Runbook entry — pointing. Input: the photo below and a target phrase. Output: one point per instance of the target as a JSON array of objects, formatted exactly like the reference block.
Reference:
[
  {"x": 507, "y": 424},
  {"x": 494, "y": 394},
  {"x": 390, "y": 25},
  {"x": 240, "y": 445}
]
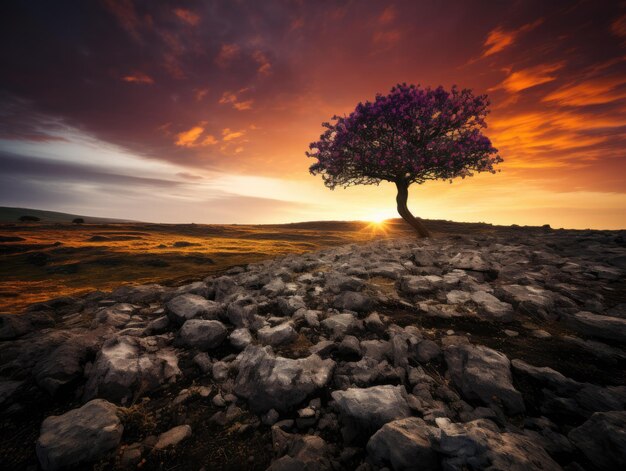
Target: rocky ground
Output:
[{"x": 497, "y": 351}]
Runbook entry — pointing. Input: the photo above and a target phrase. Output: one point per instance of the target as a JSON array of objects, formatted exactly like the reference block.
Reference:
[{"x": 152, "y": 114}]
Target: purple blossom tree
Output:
[{"x": 410, "y": 136}]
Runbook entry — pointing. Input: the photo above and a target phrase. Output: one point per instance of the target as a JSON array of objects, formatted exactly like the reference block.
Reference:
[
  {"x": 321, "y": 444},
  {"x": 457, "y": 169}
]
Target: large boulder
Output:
[
  {"x": 303, "y": 453},
  {"x": 480, "y": 444},
  {"x": 127, "y": 367},
  {"x": 417, "y": 284},
  {"x": 270, "y": 382},
  {"x": 483, "y": 375},
  {"x": 365, "y": 410},
  {"x": 341, "y": 324},
  {"x": 202, "y": 334},
  {"x": 404, "y": 443},
  {"x": 79, "y": 436},
  {"x": 64, "y": 365},
  {"x": 602, "y": 439},
  {"x": 353, "y": 301},
  {"x": 595, "y": 325},
  {"x": 279, "y": 335},
  {"x": 546, "y": 377},
  {"x": 529, "y": 299},
  {"x": 190, "y": 306},
  {"x": 492, "y": 308}
]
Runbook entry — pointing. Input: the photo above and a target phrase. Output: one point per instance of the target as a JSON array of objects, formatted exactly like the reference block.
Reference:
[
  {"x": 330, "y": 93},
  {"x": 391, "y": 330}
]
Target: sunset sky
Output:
[{"x": 201, "y": 111}]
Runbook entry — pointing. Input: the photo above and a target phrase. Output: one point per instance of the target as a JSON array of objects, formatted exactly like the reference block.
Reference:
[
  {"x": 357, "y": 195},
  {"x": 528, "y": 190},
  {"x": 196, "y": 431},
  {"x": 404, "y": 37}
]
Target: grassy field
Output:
[{"x": 44, "y": 260}]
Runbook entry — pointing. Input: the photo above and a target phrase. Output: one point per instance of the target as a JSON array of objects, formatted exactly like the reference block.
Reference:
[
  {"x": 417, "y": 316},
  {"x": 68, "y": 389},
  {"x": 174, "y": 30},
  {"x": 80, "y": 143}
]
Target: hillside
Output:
[{"x": 8, "y": 215}]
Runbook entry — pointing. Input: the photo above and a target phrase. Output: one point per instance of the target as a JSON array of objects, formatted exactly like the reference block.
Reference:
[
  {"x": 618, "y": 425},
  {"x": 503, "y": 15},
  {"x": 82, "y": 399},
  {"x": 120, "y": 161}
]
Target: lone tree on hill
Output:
[
  {"x": 27, "y": 218},
  {"x": 78, "y": 221},
  {"x": 410, "y": 136}
]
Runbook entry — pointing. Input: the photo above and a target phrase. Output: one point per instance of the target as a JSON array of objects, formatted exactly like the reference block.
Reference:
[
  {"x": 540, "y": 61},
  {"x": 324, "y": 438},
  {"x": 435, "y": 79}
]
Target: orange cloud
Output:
[
  {"x": 530, "y": 77},
  {"x": 618, "y": 27},
  {"x": 590, "y": 92},
  {"x": 209, "y": 140},
  {"x": 265, "y": 68},
  {"x": 386, "y": 37},
  {"x": 553, "y": 138},
  {"x": 227, "y": 53},
  {"x": 233, "y": 98},
  {"x": 200, "y": 93},
  {"x": 499, "y": 39},
  {"x": 194, "y": 137},
  {"x": 189, "y": 138},
  {"x": 187, "y": 16},
  {"x": 138, "y": 78},
  {"x": 124, "y": 12},
  {"x": 243, "y": 105},
  {"x": 228, "y": 135},
  {"x": 388, "y": 15}
]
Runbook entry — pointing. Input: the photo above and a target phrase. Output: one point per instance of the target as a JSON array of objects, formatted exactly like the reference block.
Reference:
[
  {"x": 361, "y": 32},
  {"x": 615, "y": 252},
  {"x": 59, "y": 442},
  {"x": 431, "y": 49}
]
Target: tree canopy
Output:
[{"x": 411, "y": 135}]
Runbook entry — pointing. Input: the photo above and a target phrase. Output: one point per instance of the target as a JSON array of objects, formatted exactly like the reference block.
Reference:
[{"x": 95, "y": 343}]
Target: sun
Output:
[{"x": 379, "y": 218}]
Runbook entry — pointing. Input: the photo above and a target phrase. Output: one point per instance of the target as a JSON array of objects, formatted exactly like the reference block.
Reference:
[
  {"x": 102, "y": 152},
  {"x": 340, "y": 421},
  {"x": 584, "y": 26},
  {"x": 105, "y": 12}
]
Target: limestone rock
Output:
[
  {"x": 484, "y": 375},
  {"x": 124, "y": 369},
  {"x": 602, "y": 439},
  {"x": 172, "y": 437},
  {"x": 595, "y": 325},
  {"x": 405, "y": 444},
  {"x": 202, "y": 334},
  {"x": 79, "y": 436},
  {"x": 368, "y": 409},
  {"x": 190, "y": 306},
  {"x": 279, "y": 335},
  {"x": 270, "y": 382}
]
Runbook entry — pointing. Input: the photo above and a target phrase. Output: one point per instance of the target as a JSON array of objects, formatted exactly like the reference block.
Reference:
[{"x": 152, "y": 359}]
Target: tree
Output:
[
  {"x": 411, "y": 135},
  {"x": 27, "y": 218},
  {"x": 78, "y": 221}
]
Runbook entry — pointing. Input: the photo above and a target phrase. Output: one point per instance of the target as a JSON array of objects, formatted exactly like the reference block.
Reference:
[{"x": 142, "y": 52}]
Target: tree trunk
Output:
[{"x": 403, "y": 210}]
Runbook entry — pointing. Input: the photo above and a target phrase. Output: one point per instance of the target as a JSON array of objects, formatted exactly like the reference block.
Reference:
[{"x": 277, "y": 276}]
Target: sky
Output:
[{"x": 201, "y": 111}]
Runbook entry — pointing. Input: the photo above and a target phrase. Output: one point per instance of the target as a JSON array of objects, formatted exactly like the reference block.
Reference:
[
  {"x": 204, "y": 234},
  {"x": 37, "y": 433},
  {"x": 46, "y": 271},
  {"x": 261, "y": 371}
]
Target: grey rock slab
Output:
[
  {"x": 190, "y": 306},
  {"x": 273, "y": 288},
  {"x": 484, "y": 375},
  {"x": 370, "y": 408},
  {"x": 172, "y": 437},
  {"x": 546, "y": 377},
  {"x": 602, "y": 439},
  {"x": 596, "y": 325},
  {"x": 426, "y": 351},
  {"x": 64, "y": 365},
  {"x": 458, "y": 297},
  {"x": 79, "y": 436},
  {"x": 340, "y": 324},
  {"x": 138, "y": 294},
  {"x": 269, "y": 382},
  {"x": 281, "y": 334},
  {"x": 492, "y": 307},
  {"x": 480, "y": 444},
  {"x": 202, "y": 334},
  {"x": 529, "y": 299},
  {"x": 126, "y": 367},
  {"x": 353, "y": 301},
  {"x": 405, "y": 444},
  {"x": 417, "y": 284},
  {"x": 240, "y": 338}
]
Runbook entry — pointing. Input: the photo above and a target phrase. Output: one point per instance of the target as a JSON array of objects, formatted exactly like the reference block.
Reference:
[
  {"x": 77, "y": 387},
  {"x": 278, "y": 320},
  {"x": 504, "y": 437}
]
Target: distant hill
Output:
[{"x": 13, "y": 215}]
